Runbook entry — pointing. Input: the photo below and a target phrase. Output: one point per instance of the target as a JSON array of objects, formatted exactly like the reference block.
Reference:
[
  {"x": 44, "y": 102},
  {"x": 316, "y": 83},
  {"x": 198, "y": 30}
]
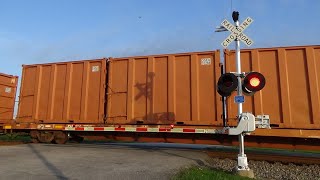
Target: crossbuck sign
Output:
[{"x": 237, "y": 32}]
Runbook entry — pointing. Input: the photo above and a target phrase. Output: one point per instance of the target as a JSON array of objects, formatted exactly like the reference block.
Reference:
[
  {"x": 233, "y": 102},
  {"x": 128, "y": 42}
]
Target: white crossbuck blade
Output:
[{"x": 237, "y": 32}]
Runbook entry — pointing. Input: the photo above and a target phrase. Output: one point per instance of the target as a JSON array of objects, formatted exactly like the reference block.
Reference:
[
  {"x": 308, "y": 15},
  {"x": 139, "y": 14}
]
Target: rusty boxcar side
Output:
[
  {"x": 66, "y": 92},
  {"x": 8, "y": 89},
  {"x": 291, "y": 96},
  {"x": 165, "y": 89}
]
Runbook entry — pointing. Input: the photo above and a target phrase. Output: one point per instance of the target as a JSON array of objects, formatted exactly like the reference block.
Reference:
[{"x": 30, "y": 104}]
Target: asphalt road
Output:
[{"x": 97, "y": 161}]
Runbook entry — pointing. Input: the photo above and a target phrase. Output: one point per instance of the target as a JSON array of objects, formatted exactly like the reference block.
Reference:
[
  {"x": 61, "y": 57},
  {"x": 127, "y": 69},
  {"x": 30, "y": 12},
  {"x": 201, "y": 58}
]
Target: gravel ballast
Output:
[{"x": 268, "y": 170}]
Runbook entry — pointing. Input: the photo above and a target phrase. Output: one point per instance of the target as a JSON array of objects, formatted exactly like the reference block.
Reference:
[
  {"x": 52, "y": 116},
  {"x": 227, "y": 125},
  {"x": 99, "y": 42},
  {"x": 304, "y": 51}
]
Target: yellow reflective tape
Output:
[
  {"x": 58, "y": 126},
  {"x": 7, "y": 127}
]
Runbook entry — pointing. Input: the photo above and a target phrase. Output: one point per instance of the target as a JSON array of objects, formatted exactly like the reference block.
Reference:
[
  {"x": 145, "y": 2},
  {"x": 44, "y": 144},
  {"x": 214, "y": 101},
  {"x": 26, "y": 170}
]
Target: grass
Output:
[
  {"x": 257, "y": 149},
  {"x": 203, "y": 173},
  {"x": 15, "y": 137},
  {"x": 249, "y": 149}
]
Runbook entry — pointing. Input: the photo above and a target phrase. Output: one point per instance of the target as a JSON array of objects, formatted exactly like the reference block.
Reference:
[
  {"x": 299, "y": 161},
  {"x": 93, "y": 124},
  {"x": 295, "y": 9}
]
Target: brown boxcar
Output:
[
  {"x": 175, "y": 89},
  {"x": 66, "y": 92},
  {"x": 8, "y": 88},
  {"x": 291, "y": 94},
  {"x": 165, "y": 89}
]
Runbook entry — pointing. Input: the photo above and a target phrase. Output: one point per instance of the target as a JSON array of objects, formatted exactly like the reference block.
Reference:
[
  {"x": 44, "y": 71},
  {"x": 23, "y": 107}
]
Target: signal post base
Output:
[
  {"x": 242, "y": 168},
  {"x": 244, "y": 172}
]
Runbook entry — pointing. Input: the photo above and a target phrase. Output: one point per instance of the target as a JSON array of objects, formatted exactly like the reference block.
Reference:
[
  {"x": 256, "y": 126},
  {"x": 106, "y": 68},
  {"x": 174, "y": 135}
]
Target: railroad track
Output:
[
  {"x": 269, "y": 156},
  {"x": 225, "y": 152}
]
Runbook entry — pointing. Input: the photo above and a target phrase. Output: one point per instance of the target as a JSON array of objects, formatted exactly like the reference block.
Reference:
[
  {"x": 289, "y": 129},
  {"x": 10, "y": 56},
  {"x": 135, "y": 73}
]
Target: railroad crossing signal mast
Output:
[{"x": 252, "y": 82}]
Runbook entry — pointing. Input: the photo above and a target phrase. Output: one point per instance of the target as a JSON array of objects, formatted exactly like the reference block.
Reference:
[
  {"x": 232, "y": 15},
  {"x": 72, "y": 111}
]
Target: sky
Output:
[{"x": 38, "y": 31}]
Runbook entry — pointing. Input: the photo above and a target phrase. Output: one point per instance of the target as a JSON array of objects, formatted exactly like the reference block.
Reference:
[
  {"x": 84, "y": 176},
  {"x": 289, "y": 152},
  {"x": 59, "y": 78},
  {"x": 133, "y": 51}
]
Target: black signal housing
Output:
[{"x": 227, "y": 83}]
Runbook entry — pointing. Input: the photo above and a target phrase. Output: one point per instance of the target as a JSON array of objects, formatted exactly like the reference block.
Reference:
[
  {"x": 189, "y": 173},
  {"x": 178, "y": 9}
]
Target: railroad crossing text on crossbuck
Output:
[{"x": 237, "y": 32}]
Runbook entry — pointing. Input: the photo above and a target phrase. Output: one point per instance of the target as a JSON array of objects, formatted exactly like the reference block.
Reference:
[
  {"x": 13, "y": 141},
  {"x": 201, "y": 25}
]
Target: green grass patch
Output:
[
  {"x": 266, "y": 150},
  {"x": 203, "y": 173},
  {"x": 252, "y": 149},
  {"x": 15, "y": 137}
]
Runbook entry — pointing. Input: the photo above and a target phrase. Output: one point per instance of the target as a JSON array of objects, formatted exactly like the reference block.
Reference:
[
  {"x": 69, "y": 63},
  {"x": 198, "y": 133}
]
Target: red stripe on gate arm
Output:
[
  {"x": 79, "y": 129},
  {"x": 189, "y": 130},
  {"x": 99, "y": 128},
  {"x": 119, "y": 129},
  {"x": 164, "y": 130},
  {"x": 141, "y": 129}
]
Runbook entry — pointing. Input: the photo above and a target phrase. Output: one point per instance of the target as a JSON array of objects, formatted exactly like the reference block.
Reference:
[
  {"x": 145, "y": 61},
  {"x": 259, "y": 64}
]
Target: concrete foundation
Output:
[{"x": 245, "y": 173}]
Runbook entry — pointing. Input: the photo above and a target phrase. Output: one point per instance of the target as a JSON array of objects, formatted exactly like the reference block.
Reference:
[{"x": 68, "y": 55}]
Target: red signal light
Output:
[{"x": 253, "y": 82}]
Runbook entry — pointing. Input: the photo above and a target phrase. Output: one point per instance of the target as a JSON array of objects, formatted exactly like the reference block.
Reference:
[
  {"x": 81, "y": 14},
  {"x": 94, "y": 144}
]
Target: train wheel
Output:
[
  {"x": 45, "y": 137},
  {"x": 34, "y": 140},
  {"x": 34, "y": 136},
  {"x": 60, "y": 137}
]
